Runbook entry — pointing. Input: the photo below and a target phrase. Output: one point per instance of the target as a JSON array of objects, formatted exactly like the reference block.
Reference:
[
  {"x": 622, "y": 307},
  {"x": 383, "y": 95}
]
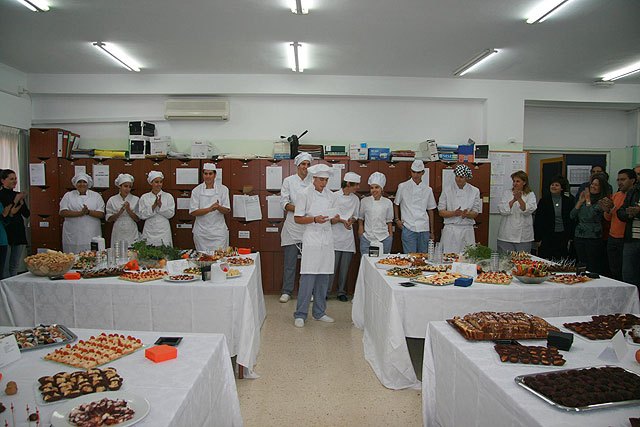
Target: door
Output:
[{"x": 549, "y": 169}]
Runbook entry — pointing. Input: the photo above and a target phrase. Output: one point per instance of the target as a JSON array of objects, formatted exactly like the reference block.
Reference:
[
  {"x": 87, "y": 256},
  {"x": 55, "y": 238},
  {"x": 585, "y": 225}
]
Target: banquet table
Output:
[
  {"x": 389, "y": 312},
  {"x": 195, "y": 389},
  {"x": 464, "y": 382},
  {"x": 234, "y": 308}
]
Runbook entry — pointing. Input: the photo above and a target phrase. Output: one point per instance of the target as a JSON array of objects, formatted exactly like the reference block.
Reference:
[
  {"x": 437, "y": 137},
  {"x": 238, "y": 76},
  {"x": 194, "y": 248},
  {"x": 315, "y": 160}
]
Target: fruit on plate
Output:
[
  {"x": 638, "y": 356},
  {"x": 132, "y": 265},
  {"x": 529, "y": 270}
]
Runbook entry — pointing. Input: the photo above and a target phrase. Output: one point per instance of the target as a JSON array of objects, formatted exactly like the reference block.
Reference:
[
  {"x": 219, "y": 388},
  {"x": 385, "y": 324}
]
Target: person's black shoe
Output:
[{"x": 343, "y": 298}]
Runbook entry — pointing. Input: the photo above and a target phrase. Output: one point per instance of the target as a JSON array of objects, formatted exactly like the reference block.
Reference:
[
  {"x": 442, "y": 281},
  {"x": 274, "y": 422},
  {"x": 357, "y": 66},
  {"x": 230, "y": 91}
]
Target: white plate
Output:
[
  {"x": 629, "y": 339},
  {"x": 386, "y": 266},
  {"x": 139, "y": 404},
  {"x": 168, "y": 279},
  {"x": 234, "y": 277}
]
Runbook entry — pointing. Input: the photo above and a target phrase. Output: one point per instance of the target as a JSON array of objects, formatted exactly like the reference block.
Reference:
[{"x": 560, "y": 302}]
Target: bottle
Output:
[
  {"x": 431, "y": 249},
  {"x": 495, "y": 261}
]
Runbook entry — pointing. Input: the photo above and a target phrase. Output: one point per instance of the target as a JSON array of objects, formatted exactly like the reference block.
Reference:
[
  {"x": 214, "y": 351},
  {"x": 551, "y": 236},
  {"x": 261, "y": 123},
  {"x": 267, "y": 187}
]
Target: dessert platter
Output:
[
  {"x": 404, "y": 272},
  {"x": 177, "y": 278},
  {"x": 143, "y": 276},
  {"x": 490, "y": 325},
  {"x": 435, "y": 268},
  {"x": 450, "y": 257},
  {"x": 438, "y": 279},
  {"x": 517, "y": 256},
  {"x": 102, "y": 272},
  {"x": 95, "y": 351},
  {"x": 392, "y": 262},
  {"x": 102, "y": 409},
  {"x": 192, "y": 270},
  {"x": 494, "y": 277},
  {"x": 532, "y": 273},
  {"x": 85, "y": 260},
  {"x": 529, "y": 354},
  {"x": 569, "y": 279},
  {"x": 240, "y": 261},
  {"x": 603, "y": 327},
  {"x": 69, "y": 385},
  {"x": 233, "y": 273},
  {"x": 42, "y": 336}
]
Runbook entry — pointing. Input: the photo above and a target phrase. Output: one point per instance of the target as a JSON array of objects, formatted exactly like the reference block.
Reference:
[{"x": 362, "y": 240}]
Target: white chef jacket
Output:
[
  {"x": 414, "y": 201},
  {"x": 348, "y": 207},
  {"x": 292, "y": 188},
  {"x": 77, "y": 232},
  {"x": 454, "y": 197},
  {"x": 210, "y": 230},
  {"x": 157, "y": 230},
  {"x": 124, "y": 228},
  {"x": 516, "y": 226},
  {"x": 376, "y": 214},
  {"x": 317, "y": 239}
]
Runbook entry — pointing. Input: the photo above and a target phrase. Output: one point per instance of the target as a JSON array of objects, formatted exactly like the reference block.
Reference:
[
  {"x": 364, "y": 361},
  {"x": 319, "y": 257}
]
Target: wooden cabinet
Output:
[
  {"x": 68, "y": 169},
  {"x": 180, "y": 167},
  {"x": 43, "y": 143},
  {"x": 44, "y": 200},
  {"x": 270, "y": 234},
  {"x": 182, "y": 232},
  {"x": 363, "y": 168},
  {"x": 264, "y": 165},
  {"x": 181, "y": 198},
  {"x": 395, "y": 173},
  {"x": 245, "y": 174},
  {"x": 148, "y": 165},
  {"x": 243, "y": 234}
]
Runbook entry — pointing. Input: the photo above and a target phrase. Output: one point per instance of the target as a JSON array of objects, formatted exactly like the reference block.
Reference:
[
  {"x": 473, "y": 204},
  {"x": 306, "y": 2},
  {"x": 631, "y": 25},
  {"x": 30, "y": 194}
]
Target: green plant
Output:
[
  {"x": 146, "y": 251},
  {"x": 477, "y": 252}
]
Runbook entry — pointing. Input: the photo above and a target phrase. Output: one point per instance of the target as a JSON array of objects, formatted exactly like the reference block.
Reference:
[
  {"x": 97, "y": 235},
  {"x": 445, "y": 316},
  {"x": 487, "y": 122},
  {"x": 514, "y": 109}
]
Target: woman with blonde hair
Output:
[{"x": 517, "y": 208}]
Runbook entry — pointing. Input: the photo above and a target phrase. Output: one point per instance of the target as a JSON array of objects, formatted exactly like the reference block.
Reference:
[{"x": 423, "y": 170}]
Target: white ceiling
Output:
[{"x": 408, "y": 38}]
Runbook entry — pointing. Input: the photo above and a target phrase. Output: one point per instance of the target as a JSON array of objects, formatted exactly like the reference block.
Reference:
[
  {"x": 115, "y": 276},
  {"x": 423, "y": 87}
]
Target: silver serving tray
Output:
[
  {"x": 520, "y": 381},
  {"x": 69, "y": 338}
]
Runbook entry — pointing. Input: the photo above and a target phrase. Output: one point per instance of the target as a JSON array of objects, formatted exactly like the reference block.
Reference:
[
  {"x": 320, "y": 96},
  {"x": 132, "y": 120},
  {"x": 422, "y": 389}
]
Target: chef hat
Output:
[
  {"x": 82, "y": 177},
  {"x": 417, "y": 166},
  {"x": 320, "y": 171},
  {"x": 302, "y": 157},
  {"x": 464, "y": 171},
  {"x": 352, "y": 177},
  {"x": 153, "y": 175},
  {"x": 377, "y": 178},
  {"x": 122, "y": 178},
  {"x": 209, "y": 167}
]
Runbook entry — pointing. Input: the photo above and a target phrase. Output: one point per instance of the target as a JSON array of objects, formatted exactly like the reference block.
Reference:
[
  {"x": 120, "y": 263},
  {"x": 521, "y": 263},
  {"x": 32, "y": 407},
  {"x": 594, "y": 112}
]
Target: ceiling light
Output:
[
  {"x": 35, "y": 5},
  {"x": 297, "y": 55},
  {"x": 299, "y": 7},
  {"x": 622, "y": 72},
  {"x": 475, "y": 61},
  {"x": 118, "y": 55},
  {"x": 544, "y": 9}
]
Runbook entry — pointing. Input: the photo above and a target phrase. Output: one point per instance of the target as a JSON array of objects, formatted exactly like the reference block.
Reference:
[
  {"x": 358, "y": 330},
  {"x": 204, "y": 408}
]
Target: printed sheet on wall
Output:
[{"x": 503, "y": 164}]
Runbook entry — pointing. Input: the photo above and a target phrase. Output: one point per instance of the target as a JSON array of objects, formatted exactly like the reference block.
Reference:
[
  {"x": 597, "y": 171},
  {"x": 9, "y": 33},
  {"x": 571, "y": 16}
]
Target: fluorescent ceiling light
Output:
[
  {"x": 35, "y": 5},
  {"x": 622, "y": 72},
  {"x": 297, "y": 55},
  {"x": 118, "y": 55},
  {"x": 299, "y": 7},
  {"x": 475, "y": 61},
  {"x": 544, "y": 9}
]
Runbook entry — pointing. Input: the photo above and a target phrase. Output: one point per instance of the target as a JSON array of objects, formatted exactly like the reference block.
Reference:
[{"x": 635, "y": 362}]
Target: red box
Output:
[
  {"x": 160, "y": 353},
  {"x": 244, "y": 251}
]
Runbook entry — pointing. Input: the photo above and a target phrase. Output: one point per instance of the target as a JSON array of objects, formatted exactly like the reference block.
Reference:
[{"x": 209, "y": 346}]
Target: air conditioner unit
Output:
[{"x": 197, "y": 109}]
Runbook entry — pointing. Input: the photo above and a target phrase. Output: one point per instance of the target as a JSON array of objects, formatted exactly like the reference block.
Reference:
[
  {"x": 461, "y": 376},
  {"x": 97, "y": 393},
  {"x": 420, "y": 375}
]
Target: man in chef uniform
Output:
[
  {"x": 347, "y": 204},
  {"x": 291, "y": 236},
  {"x": 156, "y": 208},
  {"x": 209, "y": 203},
  {"x": 314, "y": 211},
  {"x": 459, "y": 205},
  {"x": 414, "y": 206}
]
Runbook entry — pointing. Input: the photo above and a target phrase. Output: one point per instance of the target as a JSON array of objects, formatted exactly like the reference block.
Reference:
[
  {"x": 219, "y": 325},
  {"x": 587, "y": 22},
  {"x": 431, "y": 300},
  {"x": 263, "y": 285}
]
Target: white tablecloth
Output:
[
  {"x": 196, "y": 389},
  {"x": 465, "y": 384},
  {"x": 234, "y": 308},
  {"x": 389, "y": 312}
]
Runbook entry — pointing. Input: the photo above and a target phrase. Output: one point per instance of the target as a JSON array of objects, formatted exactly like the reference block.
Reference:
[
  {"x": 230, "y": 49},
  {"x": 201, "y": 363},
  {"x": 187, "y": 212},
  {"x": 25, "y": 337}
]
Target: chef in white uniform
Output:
[
  {"x": 375, "y": 218},
  {"x": 156, "y": 208},
  {"x": 121, "y": 210},
  {"x": 82, "y": 210},
  {"x": 291, "y": 236},
  {"x": 209, "y": 203},
  {"x": 347, "y": 204},
  {"x": 314, "y": 211},
  {"x": 459, "y": 205},
  {"x": 414, "y": 205}
]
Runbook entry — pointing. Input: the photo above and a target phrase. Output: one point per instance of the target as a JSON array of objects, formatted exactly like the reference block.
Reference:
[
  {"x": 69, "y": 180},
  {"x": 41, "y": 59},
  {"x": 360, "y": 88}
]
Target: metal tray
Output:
[
  {"x": 520, "y": 381},
  {"x": 69, "y": 337}
]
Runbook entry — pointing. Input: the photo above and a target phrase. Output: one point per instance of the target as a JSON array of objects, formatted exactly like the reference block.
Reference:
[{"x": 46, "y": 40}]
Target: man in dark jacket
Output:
[{"x": 630, "y": 213}]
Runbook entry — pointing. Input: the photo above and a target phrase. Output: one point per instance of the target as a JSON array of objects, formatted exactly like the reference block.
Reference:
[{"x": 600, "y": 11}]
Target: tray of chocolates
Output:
[
  {"x": 491, "y": 325},
  {"x": 529, "y": 354},
  {"x": 603, "y": 327},
  {"x": 42, "y": 336},
  {"x": 584, "y": 389},
  {"x": 69, "y": 385}
]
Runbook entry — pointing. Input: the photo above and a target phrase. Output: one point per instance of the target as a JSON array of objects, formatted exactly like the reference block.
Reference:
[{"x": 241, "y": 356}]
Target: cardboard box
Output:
[
  {"x": 379, "y": 153},
  {"x": 159, "y": 145},
  {"x": 201, "y": 150},
  {"x": 462, "y": 158},
  {"x": 358, "y": 151},
  {"x": 161, "y": 353}
]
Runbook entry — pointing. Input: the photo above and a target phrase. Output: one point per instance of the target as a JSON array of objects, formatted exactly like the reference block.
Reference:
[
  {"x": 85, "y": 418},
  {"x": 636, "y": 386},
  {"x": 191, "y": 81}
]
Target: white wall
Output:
[{"x": 15, "y": 110}]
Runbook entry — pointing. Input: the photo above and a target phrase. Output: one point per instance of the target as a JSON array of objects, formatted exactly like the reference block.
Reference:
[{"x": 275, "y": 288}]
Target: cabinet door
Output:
[
  {"x": 135, "y": 168},
  {"x": 396, "y": 173},
  {"x": 182, "y": 233},
  {"x": 244, "y": 174},
  {"x": 264, "y": 164},
  {"x": 270, "y": 234},
  {"x": 481, "y": 176},
  {"x": 243, "y": 234},
  {"x": 182, "y": 204},
  {"x": 45, "y": 227},
  {"x": 266, "y": 268},
  {"x": 44, "y": 200},
  {"x": 68, "y": 168},
  {"x": 43, "y": 143},
  {"x": 115, "y": 168},
  {"x": 180, "y": 167},
  {"x": 148, "y": 165},
  {"x": 364, "y": 169}
]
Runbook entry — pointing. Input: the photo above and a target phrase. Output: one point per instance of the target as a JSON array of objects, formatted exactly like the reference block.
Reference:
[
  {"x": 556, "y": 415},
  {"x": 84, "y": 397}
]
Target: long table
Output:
[
  {"x": 389, "y": 312},
  {"x": 195, "y": 389},
  {"x": 464, "y": 383},
  {"x": 235, "y": 308}
]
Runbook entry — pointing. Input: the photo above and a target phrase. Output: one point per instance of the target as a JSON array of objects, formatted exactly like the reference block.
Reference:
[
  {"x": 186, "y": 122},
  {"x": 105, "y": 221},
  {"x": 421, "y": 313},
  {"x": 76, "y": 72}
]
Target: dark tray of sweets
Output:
[
  {"x": 584, "y": 389},
  {"x": 42, "y": 336}
]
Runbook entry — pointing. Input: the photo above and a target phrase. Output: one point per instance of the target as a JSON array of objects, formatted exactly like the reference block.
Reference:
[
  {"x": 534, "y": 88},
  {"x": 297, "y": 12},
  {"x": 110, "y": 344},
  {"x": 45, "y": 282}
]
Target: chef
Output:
[
  {"x": 82, "y": 210},
  {"x": 314, "y": 212},
  {"x": 156, "y": 208},
  {"x": 347, "y": 204},
  {"x": 291, "y": 236},
  {"x": 209, "y": 203},
  {"x": 375, "y": 218},
  {"x": 121, "y": 210},
  {"x": 413, "y": 206},
  {"x": 459, "y": 205}
]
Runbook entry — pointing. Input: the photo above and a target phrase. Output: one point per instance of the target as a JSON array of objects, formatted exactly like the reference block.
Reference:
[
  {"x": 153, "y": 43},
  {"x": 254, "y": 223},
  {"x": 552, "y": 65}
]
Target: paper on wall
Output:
[
  {"x": 79, "y": 169},
  {"x": 101, "y": 176},
  {"x": 253, "y": 212},
  {"x": 335, "y": 177},
  {"x": 274, "y": 210},
  {"x": 183, "y": 203},
  {"x": 239, "y": 210},
  {"x": 274, "y": 177},
  {"x": 36, "y": 174},
  {"x": 187, "y": 176},
  {"x": 448, "y": 178}
]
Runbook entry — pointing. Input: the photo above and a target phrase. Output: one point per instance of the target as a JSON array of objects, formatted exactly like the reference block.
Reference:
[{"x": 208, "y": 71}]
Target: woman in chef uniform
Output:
[
  {"x": 516, "y": 210},
  {"x": 82, "y": 210},
  {"x": 209, "y": 203},
  {"x": 314, "y": 211},
  {"x": 156, "y": 208},
  {"x": 121, "y": 210},
  {"x": 376, "y": 216},
  {"x": 459, "y": 205}
]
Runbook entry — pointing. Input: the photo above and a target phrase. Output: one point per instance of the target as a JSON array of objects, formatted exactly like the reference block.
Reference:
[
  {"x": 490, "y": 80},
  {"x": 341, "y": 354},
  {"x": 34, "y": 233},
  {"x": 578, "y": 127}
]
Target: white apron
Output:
[
  {"x": 210, "y": 231},
  {"x": 317, "y": 242},
  {"x": 157, "y": 229},
  {"x": 77, "y": 232},
  {"x": 456, "y": 237},
  {"x": 124, "y": 228}
]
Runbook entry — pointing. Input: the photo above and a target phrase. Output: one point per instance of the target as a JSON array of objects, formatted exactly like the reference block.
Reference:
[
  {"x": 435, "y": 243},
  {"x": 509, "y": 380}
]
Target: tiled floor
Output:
[{"x": 317, "y": 376}]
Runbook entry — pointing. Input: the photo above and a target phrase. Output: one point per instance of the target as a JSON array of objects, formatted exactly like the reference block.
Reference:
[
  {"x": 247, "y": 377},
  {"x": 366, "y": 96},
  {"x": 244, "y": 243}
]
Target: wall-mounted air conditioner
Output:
[{"x": 196, "y": 109}]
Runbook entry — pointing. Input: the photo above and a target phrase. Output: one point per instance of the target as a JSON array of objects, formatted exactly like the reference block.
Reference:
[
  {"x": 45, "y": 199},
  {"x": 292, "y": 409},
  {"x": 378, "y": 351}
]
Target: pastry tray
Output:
[
  {"x": 69, "y": 337},
  {"x": 520, "y": 381},
  {"x": 454, "y": 326}
]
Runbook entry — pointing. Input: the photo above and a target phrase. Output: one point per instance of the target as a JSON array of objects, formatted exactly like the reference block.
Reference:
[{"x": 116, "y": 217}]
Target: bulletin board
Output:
[{"x": 503, "y": 164}]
